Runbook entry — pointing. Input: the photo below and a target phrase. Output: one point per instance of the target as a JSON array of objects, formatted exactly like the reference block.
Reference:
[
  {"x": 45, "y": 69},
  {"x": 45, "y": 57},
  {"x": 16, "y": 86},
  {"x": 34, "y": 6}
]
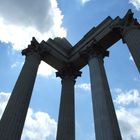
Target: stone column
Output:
[
  {"x": 132, "y": 39},
  {"x": 106, "y": 125},
  {"x": 12, "y": 121},
  {"x": 129, "y": 29},
  {"x": 66, "y": 120}
]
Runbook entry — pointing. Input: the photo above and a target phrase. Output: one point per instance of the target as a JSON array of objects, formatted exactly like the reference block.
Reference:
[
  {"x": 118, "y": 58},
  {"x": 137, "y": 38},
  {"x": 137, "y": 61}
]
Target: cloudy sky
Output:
[{"x": 21, "y": 20}]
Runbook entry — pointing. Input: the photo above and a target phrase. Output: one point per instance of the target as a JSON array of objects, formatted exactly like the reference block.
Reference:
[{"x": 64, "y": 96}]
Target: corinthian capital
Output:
[
  {"x": 126, "y": 24},
  {"x": 33, "y": 47},
  {"x": 68, "y": 71}
]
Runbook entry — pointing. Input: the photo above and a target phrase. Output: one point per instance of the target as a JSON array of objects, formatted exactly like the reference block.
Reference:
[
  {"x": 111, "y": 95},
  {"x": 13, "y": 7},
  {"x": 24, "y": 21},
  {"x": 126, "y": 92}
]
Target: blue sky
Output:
[{"x": 20, "y": 20}]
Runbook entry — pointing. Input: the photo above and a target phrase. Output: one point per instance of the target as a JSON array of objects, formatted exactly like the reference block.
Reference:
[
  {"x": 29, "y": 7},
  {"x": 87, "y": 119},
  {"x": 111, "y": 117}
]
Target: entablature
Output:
[{"x": 58, "y": 52}]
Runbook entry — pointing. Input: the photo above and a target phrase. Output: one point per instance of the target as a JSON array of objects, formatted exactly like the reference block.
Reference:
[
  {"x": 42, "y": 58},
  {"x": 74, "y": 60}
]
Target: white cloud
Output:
[
  {"x": 129, "y": 123},
  {"x": 3, "y": 101},
  {"x": 83, "y": 2},
  {"x": 45, "y": 70},
  {"x": 84, "y": 86},
  {"x": 38, "y": 125},
  {"x": 16, "y": 64},
  {"x": 136, "y": 3},
  {"x": 28, "y": 18},
  {"x": 128, "y": 97},
  {"x": 136, "y": 79},
  {"x": 131, "y": 58},
  {"x": 128, "y": 106},
  {"x": 117, "y": 90}
]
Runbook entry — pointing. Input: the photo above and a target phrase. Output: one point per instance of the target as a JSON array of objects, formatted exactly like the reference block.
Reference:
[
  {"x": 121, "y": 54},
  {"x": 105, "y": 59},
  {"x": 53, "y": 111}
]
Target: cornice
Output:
[
  {"x": 126, "y": 24},
  {"x": 59, "y": 53}
]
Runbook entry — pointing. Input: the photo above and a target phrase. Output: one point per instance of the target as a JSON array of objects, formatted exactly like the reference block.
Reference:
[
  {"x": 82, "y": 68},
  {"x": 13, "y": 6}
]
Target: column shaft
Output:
[
  {"x": 12, "y": 121},
  {"x": 132, "y": 39},
  {"x": 66, "y": 121},
  {"x": 106, "y": 125}
]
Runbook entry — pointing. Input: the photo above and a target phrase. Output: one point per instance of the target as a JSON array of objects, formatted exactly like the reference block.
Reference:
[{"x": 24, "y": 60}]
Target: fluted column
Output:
[
  {"x": 12, "y": 121},
  {"x": 129, "y": 29},
  {"x": 132, "y": 39},
  {"x": 66, "y": 120},
  {"x": 106, "y": 125}
]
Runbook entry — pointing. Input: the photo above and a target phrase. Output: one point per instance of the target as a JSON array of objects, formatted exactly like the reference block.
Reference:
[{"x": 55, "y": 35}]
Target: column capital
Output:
[
  {"x": 129, "y": 20},
  {"x": 34, "y": 48},
  {"x": 94, "y": 50},
  {"x": 126, "y": 24},
  {"x": 68, "y": 71}
]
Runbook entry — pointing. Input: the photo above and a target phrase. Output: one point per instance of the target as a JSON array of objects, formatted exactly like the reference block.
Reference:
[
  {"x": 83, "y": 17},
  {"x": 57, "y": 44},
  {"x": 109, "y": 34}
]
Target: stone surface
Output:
[
  {"x": 129, "y": 30},
  {"x": 132, "y": 39},
  {"x": 13, "y": 118},
  {"x": 66, "y": 121},
  {"x": 106, "y": 125}
]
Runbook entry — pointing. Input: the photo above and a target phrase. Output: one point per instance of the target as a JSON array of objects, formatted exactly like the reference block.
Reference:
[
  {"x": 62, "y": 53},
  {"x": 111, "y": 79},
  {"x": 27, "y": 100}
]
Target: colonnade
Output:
[{"x": 105, "y": 120}]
